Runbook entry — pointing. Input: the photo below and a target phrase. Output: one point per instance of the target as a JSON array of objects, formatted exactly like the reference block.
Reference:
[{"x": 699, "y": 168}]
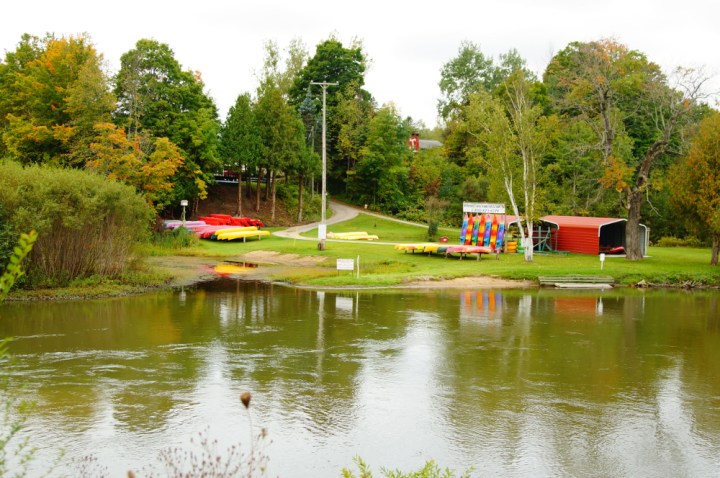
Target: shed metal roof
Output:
[{"x": 581, "y": 222}]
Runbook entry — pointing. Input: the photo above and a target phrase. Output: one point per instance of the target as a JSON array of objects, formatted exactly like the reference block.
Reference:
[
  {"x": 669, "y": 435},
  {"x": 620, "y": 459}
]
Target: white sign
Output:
[
  {"x": 322, "y": 231},
  {"x": 345, "y": 265},
  {"x": 484, "y": 207}
]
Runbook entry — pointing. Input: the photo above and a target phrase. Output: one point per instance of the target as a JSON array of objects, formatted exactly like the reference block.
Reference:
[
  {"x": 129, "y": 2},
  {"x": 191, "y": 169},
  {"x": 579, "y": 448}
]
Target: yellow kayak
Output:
[
  {"x": 421, "y": 247},
  {"x": 352, "y": 236},
  {"x": 231, "y": 236}
]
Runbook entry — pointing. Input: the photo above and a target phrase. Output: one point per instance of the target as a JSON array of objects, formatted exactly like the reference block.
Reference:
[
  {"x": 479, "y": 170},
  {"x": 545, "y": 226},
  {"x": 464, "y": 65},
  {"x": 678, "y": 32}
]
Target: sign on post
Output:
[
  {"x": 345, "y": 264},
  {"x": 484, "y": 207}
]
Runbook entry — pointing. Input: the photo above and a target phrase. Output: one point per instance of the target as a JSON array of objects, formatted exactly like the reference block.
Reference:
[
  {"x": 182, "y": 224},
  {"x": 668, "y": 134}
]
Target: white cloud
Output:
[{"x": 408, "y": 42}]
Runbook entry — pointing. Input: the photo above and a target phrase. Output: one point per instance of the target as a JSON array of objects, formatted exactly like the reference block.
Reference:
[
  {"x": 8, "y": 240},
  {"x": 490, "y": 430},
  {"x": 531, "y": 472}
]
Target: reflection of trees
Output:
[
  {"x": 529, "y": 374},
  {"x": 303, "y": 349},
  {"x": 115, "y": 357},
  {"x": 571, "y": 382}
]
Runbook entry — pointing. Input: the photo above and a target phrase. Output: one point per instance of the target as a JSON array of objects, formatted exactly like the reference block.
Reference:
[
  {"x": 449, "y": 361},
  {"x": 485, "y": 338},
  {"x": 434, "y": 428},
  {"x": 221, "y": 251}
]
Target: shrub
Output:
[
  {"x": 413, "y": 214},
  {"x": 672, "y": 241},
  {"x": 178, "y": 238},
  {"x": 429, "y": 470},
  {"x": 86, "y": 223}
]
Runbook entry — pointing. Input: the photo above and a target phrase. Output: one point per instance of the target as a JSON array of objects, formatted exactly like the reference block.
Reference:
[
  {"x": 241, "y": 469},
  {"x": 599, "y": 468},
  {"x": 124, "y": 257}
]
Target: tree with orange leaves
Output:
[
  {"x": 635, "y": 111},
  {"x": 150, "y": 167},
  {"x": 52, "y": 92}
]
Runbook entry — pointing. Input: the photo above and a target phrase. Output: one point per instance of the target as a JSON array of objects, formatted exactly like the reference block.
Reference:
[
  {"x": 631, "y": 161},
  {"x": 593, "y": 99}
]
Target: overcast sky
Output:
[{"x": 407, "y": 41}]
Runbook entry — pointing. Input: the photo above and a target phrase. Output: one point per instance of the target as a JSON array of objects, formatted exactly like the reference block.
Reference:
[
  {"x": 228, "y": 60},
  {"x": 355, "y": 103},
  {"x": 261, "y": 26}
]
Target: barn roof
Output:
[{"x": 581, "y": 222}]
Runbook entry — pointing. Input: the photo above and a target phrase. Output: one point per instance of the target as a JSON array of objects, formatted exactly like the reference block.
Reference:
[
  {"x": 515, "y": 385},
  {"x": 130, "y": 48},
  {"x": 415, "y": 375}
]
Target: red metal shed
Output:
[{"x": 590, "y": 235}]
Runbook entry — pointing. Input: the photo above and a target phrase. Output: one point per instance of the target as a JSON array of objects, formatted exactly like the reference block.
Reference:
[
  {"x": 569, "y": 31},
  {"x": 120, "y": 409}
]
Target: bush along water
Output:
[{"x": 87, "y": 225}]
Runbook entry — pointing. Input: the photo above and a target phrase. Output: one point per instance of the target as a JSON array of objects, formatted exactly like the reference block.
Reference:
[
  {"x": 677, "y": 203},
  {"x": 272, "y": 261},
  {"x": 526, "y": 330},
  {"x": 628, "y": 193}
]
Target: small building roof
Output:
[
  {"x": 581, "y": 222},
  {"x": 429, "y": 143}
]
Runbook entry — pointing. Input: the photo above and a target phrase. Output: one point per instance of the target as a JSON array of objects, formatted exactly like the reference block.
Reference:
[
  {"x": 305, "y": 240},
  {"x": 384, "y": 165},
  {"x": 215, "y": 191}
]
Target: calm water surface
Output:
[{"x": 511, "y": 383}]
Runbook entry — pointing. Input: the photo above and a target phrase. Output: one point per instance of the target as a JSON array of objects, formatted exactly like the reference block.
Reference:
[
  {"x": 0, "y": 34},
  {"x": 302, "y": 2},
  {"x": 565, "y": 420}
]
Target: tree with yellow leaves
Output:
[
  {"x": 149, "y": 167},
  {"x": 696, "y": 183}
]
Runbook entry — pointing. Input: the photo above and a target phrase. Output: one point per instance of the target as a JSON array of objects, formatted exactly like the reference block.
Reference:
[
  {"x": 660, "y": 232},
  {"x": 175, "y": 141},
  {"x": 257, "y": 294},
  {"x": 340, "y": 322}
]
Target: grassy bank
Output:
[
  {"x": 382, "y": 265},
  {"x": 298, "y": 261}
]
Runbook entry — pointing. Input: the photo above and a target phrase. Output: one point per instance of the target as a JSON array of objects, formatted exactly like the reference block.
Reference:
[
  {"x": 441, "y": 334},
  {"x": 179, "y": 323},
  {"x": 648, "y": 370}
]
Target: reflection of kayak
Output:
[{"x": 228, "y": 269}]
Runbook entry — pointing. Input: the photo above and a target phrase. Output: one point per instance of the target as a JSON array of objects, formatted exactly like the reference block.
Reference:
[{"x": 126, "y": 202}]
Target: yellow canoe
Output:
[
  {"x": 352, "y": 236},
  {"x": 231, "y": 236}
]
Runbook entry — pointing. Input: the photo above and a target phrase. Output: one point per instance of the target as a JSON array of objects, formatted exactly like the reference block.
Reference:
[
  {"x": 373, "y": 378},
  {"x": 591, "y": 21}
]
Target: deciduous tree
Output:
[
  {"x": 382, "y": 173},
  {"x": 471, "y": 71},
  {"x": 52, "y": 92},
  {"x": 150, "y": 167},
  {"x": 157, "y": 97},
  {"x": 240, "y": 142},
  {"x": 513, "y": 134},
  {"x": 696, "y": 183},
  {"x": 635, "y": 112},
  {"x": 332, "y": 62},
  {"x": 281, "y": 132}
]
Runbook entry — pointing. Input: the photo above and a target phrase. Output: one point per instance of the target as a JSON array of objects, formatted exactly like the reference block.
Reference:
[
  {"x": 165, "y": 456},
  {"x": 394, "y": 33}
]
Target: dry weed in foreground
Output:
[{"x": 204, "y": 459}]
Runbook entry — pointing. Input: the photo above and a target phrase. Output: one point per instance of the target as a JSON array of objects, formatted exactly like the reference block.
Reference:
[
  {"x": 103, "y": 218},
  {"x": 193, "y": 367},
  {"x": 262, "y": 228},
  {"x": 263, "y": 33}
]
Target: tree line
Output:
[{"x": 603, "y": 132}]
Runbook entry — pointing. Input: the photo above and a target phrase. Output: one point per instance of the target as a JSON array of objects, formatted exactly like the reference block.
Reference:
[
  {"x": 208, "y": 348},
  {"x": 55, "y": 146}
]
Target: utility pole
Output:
[{"x": 322, "y": 230}]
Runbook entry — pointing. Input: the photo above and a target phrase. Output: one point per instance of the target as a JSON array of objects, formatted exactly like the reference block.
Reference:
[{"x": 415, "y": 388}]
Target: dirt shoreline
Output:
[{"x": 188, "y": 270}]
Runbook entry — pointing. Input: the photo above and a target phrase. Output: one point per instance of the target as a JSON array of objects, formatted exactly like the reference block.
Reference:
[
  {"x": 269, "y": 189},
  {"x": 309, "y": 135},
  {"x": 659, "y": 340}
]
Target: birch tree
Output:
[{"x": 512, "y": 136}]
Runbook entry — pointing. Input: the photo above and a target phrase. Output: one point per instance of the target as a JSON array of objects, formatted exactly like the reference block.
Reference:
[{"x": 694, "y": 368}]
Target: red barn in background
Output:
[{"x": 414, "y": 142}]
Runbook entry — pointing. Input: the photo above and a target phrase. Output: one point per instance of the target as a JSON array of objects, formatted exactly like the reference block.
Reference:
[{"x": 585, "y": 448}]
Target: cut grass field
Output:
[
  {"x": 382, "y": 265},
  {"x": 386, "y": 230}
]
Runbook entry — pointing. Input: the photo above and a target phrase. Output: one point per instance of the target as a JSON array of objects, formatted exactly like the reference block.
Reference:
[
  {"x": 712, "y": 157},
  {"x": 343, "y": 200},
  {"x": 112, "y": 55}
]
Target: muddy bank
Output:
[{"x": 187, "y": 270}]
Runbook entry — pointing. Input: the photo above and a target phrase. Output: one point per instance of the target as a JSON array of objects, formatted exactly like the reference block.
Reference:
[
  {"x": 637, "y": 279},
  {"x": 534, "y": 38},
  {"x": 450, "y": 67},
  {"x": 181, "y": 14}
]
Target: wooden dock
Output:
[{"x": 577, "y": 281}]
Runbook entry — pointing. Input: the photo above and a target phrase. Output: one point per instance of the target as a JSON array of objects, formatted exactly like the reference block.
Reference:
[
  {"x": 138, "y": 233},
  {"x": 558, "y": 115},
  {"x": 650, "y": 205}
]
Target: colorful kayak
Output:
[
  {"x": 470, "y": 229},
  {"x": 500, "y": 235},
  {"x": 211, "y": 232},
  {"x": 476, "y": 230},
  {"x": 463, "y": 230},
  {"x": 481, "y": 232},
  {"x": 488, "y": 230},
  {"x": 174, "y": 224},
  {"x": 468, "y": 250},
  {"x": 493, "y": 231}
]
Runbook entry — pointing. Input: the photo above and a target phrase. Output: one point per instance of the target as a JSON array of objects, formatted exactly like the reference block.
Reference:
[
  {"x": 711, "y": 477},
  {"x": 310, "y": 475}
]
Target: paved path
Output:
[{"x": 341, "y": 212}]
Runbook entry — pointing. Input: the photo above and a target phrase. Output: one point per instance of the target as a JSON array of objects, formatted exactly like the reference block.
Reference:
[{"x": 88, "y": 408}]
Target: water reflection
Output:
[{"x": 514, "y": 383}]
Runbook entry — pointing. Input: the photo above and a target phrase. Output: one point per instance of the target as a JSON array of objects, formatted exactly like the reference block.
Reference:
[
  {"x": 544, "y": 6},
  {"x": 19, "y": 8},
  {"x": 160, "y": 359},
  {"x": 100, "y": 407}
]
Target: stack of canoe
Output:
[
  {"x": 220, "y": 232},
  {"x": 431, "y": 247},
  {"x": 227, "y": 220}
]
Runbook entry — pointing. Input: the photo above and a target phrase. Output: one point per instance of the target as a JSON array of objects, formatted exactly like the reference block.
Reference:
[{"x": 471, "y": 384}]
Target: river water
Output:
[{"x": 506, "y": 382}]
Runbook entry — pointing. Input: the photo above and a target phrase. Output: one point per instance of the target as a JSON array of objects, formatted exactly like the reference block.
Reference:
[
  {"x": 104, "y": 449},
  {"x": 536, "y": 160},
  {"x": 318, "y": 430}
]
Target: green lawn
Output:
[
  {"x": 386, "y": 230},
  {"x": 381, "y": 264}
]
